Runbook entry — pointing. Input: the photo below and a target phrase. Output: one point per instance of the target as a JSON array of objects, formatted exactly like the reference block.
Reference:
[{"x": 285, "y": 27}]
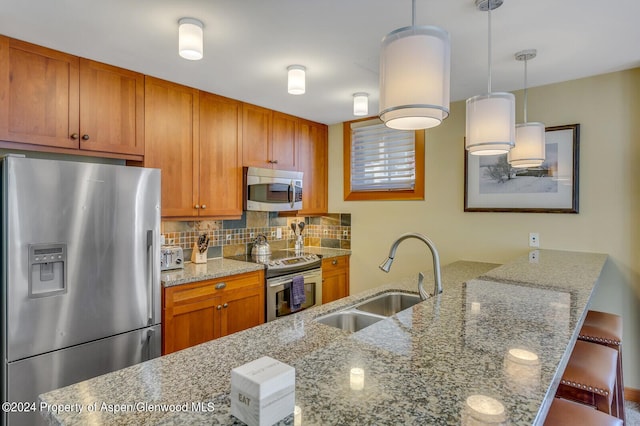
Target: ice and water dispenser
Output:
[{"x": 47, "y": 269}]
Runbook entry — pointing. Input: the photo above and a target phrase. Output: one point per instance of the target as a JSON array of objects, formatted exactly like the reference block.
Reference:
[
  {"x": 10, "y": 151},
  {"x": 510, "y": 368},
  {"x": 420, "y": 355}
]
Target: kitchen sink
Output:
[
  {"x": 389, "y": 303},
  {"x": 370, "y": 311},
  {"x": 349, "y": 320}
]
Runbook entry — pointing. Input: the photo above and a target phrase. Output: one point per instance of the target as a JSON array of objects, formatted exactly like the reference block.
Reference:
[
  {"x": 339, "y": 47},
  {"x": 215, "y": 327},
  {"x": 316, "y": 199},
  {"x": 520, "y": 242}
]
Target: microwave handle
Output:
[{"x": 292, "y": 192}]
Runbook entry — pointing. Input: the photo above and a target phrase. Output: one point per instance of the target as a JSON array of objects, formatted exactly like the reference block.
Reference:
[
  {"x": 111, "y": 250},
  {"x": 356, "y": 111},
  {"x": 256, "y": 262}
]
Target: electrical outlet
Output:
[
  {"x": 345, "y": 234},
  {"x": 273, "y": 233},
  {"x": 325, "y": 232},
  {"x": 162, "y": 240},
  {"x": 278, "y": 232},
  {"x": 228, "y": 237},
  {"x": 533, "y": 256},
  {"x": 534, "y": 239},
  {"x": 252, "y": 234}
]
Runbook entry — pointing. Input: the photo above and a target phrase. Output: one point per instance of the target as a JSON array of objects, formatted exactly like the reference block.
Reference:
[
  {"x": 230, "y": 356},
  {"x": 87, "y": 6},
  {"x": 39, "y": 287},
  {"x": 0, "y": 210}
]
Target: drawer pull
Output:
[{"x": 220, "y": 286}]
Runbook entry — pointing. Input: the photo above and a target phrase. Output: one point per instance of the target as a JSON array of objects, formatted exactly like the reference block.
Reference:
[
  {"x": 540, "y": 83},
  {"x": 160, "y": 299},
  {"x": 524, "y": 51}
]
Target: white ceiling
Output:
[{"x": 249, "y": 43}]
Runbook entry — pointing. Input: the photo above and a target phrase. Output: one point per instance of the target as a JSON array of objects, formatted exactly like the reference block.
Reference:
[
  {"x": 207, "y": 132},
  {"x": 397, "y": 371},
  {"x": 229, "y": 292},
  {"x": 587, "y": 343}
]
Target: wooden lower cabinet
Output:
[
  {"x": 202, "y": 311},
  {"x": 335, "y": 278}
]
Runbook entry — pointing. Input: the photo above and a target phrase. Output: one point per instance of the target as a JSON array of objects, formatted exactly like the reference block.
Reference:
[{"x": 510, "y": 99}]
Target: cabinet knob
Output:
[
  {"x": 85, "y": 137},
  {"x": 74, "y": 136},
  {"x": 226, "y": 305},
  {"x": 219, "y": 307},
  {"x": 334, "y": 262},
  {"x": 197, "y": 206},
  {"x": 204, "y": 206}
]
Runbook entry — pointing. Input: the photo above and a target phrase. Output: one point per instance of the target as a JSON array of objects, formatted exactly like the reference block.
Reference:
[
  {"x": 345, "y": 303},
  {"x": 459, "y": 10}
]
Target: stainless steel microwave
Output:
[{"x": 272, "y": 190}]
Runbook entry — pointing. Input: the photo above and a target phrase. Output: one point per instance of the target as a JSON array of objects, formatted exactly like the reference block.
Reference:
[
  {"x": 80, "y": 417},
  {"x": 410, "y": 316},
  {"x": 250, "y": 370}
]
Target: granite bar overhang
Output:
[{"x": 422, "y": 365}]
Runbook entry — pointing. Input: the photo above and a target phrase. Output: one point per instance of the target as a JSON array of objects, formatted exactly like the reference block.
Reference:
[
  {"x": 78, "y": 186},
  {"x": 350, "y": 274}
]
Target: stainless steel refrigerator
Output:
[{"x": 80, "y": 273}]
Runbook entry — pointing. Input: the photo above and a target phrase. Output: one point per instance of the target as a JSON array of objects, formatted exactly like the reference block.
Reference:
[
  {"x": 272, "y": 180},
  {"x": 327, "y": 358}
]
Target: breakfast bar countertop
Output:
[{"x": 452, "y": 359}]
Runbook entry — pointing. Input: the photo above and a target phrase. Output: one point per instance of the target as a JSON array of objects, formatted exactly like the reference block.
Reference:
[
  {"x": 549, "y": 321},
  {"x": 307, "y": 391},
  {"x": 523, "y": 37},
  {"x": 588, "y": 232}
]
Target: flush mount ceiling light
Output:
[
  {"x": 415, "y": 64},
  {"x": 530, "y": 143},
  {"x": 296, "y": 82},
  {"x": 190, "y": 39},
  {"x": 360, "y": 104},
  {"x": 490, "y": 127}
]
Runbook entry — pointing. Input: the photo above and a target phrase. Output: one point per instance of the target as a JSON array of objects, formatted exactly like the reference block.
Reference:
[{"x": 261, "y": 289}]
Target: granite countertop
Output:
[
  {"x": 421, "y": 365},
  {"x": 222, "y": 267}
]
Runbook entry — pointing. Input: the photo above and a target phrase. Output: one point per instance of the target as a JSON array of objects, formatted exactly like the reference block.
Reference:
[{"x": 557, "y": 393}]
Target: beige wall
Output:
[{"x": 607, "y": 107}]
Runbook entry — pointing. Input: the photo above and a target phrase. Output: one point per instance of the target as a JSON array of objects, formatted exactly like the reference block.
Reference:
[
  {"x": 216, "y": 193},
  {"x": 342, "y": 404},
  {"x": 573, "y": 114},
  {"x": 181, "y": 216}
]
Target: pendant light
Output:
[
  {"x": 415, "y": 65},
  {"x": 190, "y": 35},
  {"x": 296, "y": 79},
  {"x": 360, "y": 104},
  {"x": 490, "y": 127},
  {"x": 530, "y": 143}
]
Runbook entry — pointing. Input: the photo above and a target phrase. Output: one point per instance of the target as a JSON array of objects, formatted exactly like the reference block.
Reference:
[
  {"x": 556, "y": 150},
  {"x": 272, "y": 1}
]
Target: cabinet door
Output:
[
  {"x": 171, "y": 115},
  {"x": 38, "y": 95},
  {"x": 111, "y": 109},
  {"x": 256, "y": 132},
  {"x": 314, "y": 160},
  {"x": 284, "y": 145},
  {"x": 242, "y": 309},
  {"x": 335, "y": 278},
  {"x": 220, "y": 156},
  {"x": 189, "y": 316}
]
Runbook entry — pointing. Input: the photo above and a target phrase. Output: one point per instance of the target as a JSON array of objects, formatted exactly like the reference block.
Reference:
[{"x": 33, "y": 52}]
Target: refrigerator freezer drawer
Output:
[{"x": 33, "y": 376}]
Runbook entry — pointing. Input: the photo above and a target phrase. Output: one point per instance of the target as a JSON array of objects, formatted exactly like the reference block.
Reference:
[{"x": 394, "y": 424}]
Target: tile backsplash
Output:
[{"x": 233, "y": 237}]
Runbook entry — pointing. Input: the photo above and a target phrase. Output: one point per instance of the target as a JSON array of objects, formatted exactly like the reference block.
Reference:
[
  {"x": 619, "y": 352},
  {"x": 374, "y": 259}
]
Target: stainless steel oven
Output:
[
  {"x": 281, "y": 266},
  {"x": 278, "y": 296}
]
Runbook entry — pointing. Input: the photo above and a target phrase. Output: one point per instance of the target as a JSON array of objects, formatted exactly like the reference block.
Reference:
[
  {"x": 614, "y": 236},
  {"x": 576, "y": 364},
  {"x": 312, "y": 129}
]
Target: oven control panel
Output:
[
  {"x": 294, "y": 263},
  {"x": 298, "y": 260}
]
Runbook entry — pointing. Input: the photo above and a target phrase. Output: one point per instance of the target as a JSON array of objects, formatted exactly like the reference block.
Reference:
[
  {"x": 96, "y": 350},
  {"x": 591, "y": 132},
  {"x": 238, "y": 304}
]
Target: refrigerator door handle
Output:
[
  {"x": 151, "y": 272},
  {"x": 148, "y": 345}
]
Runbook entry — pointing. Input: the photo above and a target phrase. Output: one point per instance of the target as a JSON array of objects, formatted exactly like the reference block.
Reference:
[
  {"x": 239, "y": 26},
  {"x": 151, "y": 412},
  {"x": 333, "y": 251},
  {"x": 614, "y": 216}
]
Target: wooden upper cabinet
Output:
[
  {"x": 39, "y": 98},
  {"x": 269, "y": 139},
  {"x": 314, "y": 163},
  {"x": 195, "y": 138},
  {"x": 284, "y": 144},
  {"x": 111, "y": 109},
  {"x": 171, "y": 123},
  {"x": 49, "y": 98},
  {"x": 220, "y": 153},
  {"x": 256, "y": 131}
]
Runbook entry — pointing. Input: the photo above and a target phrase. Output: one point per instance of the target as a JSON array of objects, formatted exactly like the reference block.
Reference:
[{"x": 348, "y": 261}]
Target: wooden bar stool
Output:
[
  {"x": 563, "y": 413},
  {"x": 606, "y": 329},
  {"x": 590, "y": 377}
]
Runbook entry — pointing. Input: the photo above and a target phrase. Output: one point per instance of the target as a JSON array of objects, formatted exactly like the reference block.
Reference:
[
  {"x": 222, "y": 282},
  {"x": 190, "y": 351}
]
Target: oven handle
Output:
[{"x": 308, "y": 275}]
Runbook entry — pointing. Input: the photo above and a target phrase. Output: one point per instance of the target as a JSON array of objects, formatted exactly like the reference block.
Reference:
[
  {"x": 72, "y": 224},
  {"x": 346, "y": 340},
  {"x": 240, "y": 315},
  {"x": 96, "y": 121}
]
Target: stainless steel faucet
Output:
[{"x": 437, "y": 285}]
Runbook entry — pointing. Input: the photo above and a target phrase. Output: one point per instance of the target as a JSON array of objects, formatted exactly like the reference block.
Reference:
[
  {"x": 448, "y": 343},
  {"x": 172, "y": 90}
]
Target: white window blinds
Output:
[{"x": 382, "y": 159}]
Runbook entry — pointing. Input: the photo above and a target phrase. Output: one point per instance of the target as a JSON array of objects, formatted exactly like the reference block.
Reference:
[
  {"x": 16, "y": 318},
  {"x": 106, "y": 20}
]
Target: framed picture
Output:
[{"x": 492, "y": 185}]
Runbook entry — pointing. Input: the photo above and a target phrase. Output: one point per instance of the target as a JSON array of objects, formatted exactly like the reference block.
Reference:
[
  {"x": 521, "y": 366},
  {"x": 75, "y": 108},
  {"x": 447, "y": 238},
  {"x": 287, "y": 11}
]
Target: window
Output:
[{"x": 382, "y": 163}]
